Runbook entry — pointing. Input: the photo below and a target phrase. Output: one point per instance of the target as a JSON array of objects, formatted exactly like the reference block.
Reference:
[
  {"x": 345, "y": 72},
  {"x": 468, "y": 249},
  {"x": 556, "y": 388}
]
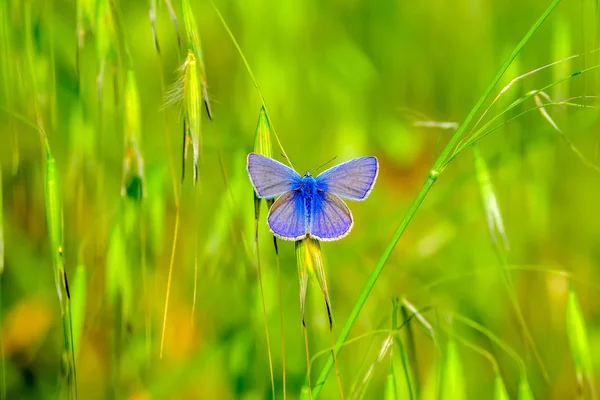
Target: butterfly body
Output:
[
  {"x": 307, "y": 205},
  {"x": 308, "y": 190}
]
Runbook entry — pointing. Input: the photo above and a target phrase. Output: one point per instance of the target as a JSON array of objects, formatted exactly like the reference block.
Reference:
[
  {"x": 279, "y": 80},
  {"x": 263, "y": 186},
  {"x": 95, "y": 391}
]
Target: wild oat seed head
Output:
[
  {"x": 490, "y": 203},
  {"x": 262, "y": 138},
  {"x": 191, "y": 29},
  {"x": 192, "y": 104}
]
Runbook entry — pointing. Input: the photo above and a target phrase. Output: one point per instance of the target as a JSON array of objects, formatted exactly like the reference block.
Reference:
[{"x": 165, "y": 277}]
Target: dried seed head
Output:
[{"x": 492, "y": 211}]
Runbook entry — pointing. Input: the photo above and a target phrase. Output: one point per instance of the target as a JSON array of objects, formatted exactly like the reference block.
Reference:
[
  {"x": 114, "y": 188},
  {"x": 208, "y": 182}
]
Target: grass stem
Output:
[
  {"x": 280, "y": 299},
  {"x": 264, "y": 310},
  {"x": 167, "y": 295}
]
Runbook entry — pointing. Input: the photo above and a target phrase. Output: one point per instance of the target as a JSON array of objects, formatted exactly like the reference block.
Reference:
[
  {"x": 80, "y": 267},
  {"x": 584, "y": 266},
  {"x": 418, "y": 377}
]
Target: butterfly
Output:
[{"x": 310, "y": 206}]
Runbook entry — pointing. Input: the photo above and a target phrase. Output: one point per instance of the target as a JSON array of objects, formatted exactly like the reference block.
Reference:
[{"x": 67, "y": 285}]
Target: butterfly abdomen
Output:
[{"x": 308, "y": 189}]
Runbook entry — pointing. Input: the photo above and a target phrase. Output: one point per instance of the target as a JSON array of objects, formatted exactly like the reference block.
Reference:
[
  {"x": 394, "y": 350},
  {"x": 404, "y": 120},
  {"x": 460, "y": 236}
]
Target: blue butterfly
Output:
[{"x": 307, "y": 206}]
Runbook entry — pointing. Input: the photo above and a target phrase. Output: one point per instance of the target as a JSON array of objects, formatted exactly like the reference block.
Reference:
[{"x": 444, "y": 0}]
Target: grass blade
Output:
[
  {"x": 453, "y": 379},
  {"x": 406, "y": 364},
  {"x": 169, "y": 279},
  {"x": 79, "y": 301},
  {"x": 389, "y": 390},
  {"x": 525, "y": 392},
  {"x": 579, "y": 343},
  {"x": 500, "y": 392}
]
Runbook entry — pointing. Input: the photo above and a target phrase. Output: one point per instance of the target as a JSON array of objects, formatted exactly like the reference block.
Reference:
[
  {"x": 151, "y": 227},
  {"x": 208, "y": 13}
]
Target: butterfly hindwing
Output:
[
  {"x": 330, "y": 218},
  {"x": 271, "y": 178},
  {"x": 287, "y": 216},
  {"x": 353, "y": 179}
]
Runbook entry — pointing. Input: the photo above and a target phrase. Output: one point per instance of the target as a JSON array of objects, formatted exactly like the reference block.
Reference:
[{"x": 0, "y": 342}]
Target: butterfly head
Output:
[{"x": 307, "y": 174}]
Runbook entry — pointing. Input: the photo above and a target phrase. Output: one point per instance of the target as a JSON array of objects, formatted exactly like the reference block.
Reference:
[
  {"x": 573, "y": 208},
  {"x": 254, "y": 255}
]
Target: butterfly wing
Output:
[
  {"x": 287, "y": 216},
  {"x": 330, "y": 217},
  {"x": 353, "y": 179},
  {"x": 271, "y": 178}
]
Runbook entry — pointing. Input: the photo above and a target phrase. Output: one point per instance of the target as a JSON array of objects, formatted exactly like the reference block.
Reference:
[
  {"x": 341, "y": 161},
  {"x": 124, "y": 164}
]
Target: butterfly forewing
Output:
[
  {"x": 331, "y": 218},
  {"x": 287, "y": 216},
  {"x": 271, "y": 178},
  {"x": 353, "y": 179}
]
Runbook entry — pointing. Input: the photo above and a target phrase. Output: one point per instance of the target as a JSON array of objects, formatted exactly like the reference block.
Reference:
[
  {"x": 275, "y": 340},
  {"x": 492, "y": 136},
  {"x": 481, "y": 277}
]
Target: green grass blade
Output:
[
  {"x": 54, "y": 222},
  {"x": 389, "y": 390},
  {"x": 500, "y": 392},
  {"x": 578, "y": 342},
  {"x": 78, "y": 295},
  {"x": 525, "y": 392},
  {"x": 483, "y": 130},
  {"x": 433, "y": 174},
  {"x": 406, "y": 365},
  {"x": 453, "y": 378}
]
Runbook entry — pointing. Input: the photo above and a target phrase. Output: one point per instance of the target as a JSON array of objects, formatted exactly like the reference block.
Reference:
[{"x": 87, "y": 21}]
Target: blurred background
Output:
[{"x": 340, "y": 78}]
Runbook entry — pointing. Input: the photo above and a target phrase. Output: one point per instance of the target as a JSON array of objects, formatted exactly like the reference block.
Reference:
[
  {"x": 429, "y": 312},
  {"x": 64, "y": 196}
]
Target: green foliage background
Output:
[{"x": 340, "y": 78}]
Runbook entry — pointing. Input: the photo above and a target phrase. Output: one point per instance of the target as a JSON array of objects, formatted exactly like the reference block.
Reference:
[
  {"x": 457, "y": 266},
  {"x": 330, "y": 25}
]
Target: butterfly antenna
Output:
[{"x": 326, "y": 163}]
